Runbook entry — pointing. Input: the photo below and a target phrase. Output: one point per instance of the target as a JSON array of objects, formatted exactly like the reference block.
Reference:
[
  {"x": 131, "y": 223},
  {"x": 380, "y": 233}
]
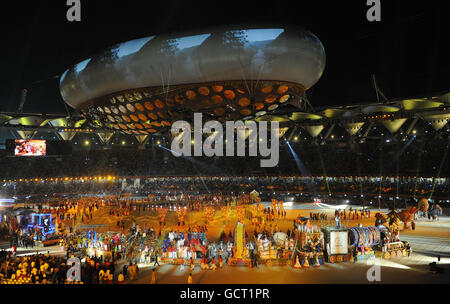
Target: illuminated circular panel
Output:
[
  {"x": 107, "y": 110},
  {"x": 126, "y": 118},
  {"x": 152, "y": 116},
  {"x": 258, "y": 106},
  {"x": 217, "y": 99},
  {"x": 120, "y": 98},
  {"x": 156, "y": 124},
  {"x": 134, "y": 118},
  {"x": 244, "y": 102},
  {"x": 180, "y": 99},
  {"x": 123, "y": 109},
  {"x": 139, "y": 106},
  {"x": 271, "y": 98},
  {"x": 229, "y": 94},
  {"x": 100, "y": 110},
  {"x": 131, "y": 126},
  {"x": 284, "y": 98},
  {"x": 170, "y": 102},
  {"x": 217, "y": 88},
  {"x": 111, "y": 119},
  {"x": 142, "y": 117},
  {"x": 151, "y": 130},
  {"x": 122, "y": 126},
  {"x": 261, "y": 113},
  {"x": 159, "y": 104},
  {"x": 149, "y": 106},
  {"x": 191, "y": 94},
  {"x": 129, "y": 97},
  {"x": 114, "y": 110},
  {"x": 282, "y": 89},
  {"x": 147, "y": 125},
  {"x": 112, "y": 100},
  {"x": 118, "y": 118},
  {"x": 245, "y": 111},
  {"x": 267, "y": 90},
  {"x": 139, "y": 126},
  {"x": 131, "y": 108},
  {"x": 166, "y": 123},
  {"x": 272, "y": 107},
  {"x": 203, "y": 91}
]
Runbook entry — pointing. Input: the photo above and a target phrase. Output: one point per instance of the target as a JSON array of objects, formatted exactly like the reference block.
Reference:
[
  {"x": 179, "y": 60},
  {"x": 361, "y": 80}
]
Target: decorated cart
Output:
[
  {"x": 309, "y": 248},
  {"x": 363, "y": 240},
  {"x": 41, "y": 226},
  {"x": 274, "y": 250},
  {"x": 336, "y": 244},
  {"x": 390, "y": 246},
  {"x": 241, "y": 255}
]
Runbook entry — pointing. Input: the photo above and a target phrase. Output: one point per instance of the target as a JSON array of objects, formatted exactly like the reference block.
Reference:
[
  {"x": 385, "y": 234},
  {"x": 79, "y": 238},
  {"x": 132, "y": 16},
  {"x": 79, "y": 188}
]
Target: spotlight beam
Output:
[
  {"x": 400, "y": 153},
  {"x": 299, "y": 163}
]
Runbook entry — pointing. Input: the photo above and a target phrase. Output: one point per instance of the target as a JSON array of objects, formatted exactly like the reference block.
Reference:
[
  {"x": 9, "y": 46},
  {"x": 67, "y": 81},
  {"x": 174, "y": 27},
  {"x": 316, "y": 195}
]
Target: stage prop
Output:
[
  {"x": 390, "y": 245},
  {"x": 362, "y": 240},
  {"x": 336, "y": 244},
  {"x": 275, "y": 250},
  {"x": 240, "y": 251},
  {"x": 42, "y": 224},
  {"x": 309, "y": 247}
]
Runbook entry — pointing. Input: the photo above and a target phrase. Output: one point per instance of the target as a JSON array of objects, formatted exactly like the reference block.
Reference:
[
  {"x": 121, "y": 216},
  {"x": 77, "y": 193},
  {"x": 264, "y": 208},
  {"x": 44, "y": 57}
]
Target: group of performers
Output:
[{"x": 179, "y": 245}]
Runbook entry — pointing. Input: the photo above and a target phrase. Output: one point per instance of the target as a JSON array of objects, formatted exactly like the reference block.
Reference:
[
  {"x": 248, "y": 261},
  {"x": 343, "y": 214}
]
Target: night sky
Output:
[{"x": 408, "y": 50}]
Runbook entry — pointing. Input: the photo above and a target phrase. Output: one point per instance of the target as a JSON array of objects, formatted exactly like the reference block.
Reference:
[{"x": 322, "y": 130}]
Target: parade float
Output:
[
  {"x": 241, "y": 255},
  {"x": 390, "y": 245},
  {"x": 42, "y": 228},
  {"x": 336, "y": 244},
  {"x": 362, "y": 240},
  {"x": 274, "y": 250},
  {"x": 309, "y": 243}
]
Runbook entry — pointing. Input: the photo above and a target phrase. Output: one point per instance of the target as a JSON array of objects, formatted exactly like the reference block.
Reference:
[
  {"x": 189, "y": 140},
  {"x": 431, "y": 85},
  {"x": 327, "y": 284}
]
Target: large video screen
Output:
[{"x": 29, "y": 147}]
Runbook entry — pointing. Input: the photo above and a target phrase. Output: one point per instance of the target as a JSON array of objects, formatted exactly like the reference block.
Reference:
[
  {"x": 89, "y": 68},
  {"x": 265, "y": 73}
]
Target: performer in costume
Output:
[
  {"x": 297, "y": 264},
  {"x": 317, "y": 264},
  {"x": 306, "y": 263},
  {"x": 192, "y": 264},
  {"x": 213, "y": 264}
]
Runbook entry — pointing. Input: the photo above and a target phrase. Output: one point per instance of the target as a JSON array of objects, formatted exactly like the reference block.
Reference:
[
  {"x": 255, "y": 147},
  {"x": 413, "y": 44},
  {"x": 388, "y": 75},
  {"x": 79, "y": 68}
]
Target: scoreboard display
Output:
[
  {"x": 30, "y": 147},
  {"x": 37, "y": 148}
]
